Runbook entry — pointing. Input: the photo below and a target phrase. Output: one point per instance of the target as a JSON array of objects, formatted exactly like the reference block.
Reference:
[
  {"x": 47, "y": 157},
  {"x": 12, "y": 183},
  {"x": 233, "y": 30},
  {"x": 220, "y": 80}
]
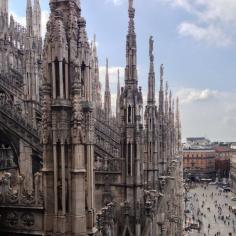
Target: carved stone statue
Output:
[
  {"x": 162, "y": 70},
  {"x": 151, "y": 43}
]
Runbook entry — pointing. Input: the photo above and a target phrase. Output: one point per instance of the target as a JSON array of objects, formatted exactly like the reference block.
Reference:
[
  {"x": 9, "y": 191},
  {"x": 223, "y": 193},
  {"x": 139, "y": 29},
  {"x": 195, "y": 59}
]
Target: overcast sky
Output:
[{"x": 194, "y": 39}]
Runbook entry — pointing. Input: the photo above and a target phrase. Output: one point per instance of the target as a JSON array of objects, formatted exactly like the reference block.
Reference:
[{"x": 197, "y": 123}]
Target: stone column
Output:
[
  {"x": 63, "y": 179},
  {"x": 67, "y": 82},
  {"x": 61, "y": 80},
  {"x": 79, "y": 226},
  {"x": 54, "y": 80},
  {"x": 25, "y": 163},
  {"x": 55, "y": 178}
]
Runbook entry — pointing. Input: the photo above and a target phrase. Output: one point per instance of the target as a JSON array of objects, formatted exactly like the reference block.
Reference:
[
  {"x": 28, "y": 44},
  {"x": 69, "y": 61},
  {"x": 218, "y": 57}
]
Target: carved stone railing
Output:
[
  {"x": 107, "y": 139},
  {"x": 12, "y": 119},
  {"x": 107, "y": 144},
  {"x": 17, "y": 196},
  {"x": 21, "y": 212},
  {"x": 12, "y": 84}
]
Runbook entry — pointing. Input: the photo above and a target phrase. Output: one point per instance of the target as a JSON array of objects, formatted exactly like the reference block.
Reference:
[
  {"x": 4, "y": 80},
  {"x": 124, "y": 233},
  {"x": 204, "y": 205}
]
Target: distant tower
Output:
[
  {"x": 107, "y": 95},
  {"x": 166, "y": 127},
  {"x": 68, "y": 125},
  {"x": 3, "y": 19},
  {"x": 178, "y": 128},
  {"x": 169, "y": 128},
  {"x": 96, "y": 86},
  {"x": 161, "y": 121},
  {"x": 32, "y": 66},
  {"x": 131, "y": 105},
  {"x": 37, "y": 20},
  {"x": 118, "y": 98},
  {"x": 29, "y": 18},
  {"x": 151, "y": 119}
]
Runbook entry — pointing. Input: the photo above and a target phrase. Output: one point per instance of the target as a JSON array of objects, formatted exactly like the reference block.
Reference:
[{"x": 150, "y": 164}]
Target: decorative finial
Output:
[{"x": 131, "y": 9}]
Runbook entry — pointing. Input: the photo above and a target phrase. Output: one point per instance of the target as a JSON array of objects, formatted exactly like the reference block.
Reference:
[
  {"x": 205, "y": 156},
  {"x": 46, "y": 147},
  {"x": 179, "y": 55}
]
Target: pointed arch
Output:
[
  {"x": 57, "y": 75},
  {"x": 127, "y": 231},
  {"x": 129, "y": 114}
]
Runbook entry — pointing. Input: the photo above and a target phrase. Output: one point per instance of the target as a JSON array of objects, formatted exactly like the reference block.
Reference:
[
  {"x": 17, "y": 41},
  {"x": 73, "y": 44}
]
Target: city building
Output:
[
  {"x": 79, "y": 170},
  {"x": 198, "y": 141},
  {"x": 199, "y": 163},
  {"x": 222, "y": 161},
  {"x": 233, "y": 173}
]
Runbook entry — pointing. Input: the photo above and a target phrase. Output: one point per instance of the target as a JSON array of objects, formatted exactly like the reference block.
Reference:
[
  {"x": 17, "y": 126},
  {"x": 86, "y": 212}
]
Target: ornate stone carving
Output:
[
  {"x": 27, "y": 219},
  {"x": 19, "y": 196},
  {"x": 11, "y": 219}
]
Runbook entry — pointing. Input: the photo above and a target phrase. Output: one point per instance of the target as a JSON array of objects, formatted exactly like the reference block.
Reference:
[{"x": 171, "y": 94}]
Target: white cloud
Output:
[
  {"x": 44, "y": 20},
  {"x": 208, "y": 113},
  {"x": 116, "y": 2},
  {"x": 210, "y": 34},
  {"x": 179, "y": 3},
  {"x": 212, "y": 23},
  {"x": 190, "y": 95}
]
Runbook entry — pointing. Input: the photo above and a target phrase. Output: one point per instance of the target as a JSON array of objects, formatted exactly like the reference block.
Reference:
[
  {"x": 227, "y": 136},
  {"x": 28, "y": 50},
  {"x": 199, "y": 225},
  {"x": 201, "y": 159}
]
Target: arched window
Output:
[
  {"x": 57, "y": 75},
  {"x": 83, "y": 67},
  {"x": 127, "y": 233},
  {"x": 129, "y": 114},
  {"x": 64, "y": 76},
  {"x": 129, "y": 160}
]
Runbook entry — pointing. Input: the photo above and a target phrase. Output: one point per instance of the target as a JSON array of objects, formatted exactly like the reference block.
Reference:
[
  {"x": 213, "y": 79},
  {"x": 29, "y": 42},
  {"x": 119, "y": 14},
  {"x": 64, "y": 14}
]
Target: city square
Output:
[{"x": 208, "y": 207}]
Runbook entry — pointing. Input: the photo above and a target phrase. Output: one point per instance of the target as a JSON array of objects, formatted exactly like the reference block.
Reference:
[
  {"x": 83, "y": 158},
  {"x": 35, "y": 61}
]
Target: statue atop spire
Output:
[
  {"x": 131, "y": 17},
  {"x": 151, "y": 43},
  {"x": 162, "y": 76},
  {"x": 162, "y": 71}
]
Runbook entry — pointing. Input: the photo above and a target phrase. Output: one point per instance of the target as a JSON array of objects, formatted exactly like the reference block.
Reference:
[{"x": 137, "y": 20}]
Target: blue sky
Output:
[{"x": 195, "y": 41}]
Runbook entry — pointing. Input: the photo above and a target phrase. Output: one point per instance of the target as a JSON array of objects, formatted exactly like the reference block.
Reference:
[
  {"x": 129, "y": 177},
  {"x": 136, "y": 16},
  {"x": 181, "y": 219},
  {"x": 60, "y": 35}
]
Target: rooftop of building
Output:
[
  {"x": 196, "y": 138},
  {"x": 222, "y": 149},
  {"x": 199, "y": 149}
]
